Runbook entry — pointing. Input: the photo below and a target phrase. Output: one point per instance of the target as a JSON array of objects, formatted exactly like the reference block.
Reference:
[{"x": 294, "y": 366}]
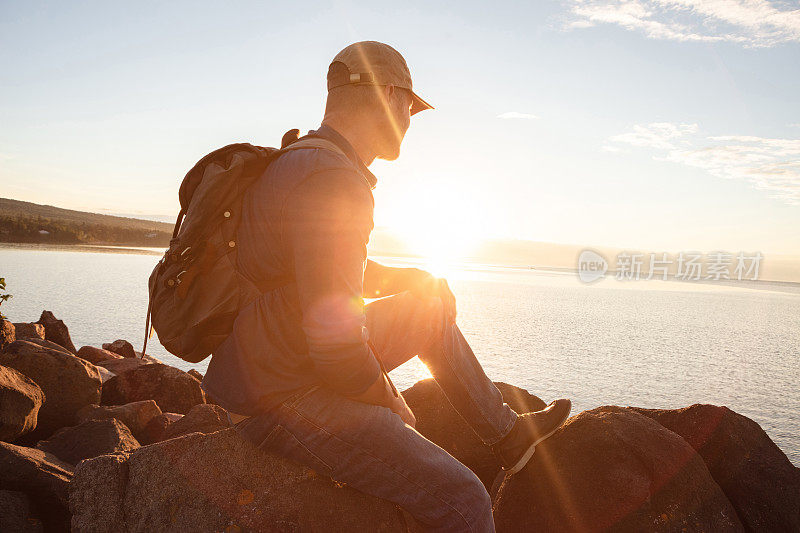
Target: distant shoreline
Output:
[{"x": 411, "y": 260}]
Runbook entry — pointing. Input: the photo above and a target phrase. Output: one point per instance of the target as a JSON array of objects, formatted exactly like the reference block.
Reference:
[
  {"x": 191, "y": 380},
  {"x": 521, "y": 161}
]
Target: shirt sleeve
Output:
[{"x": 327, "y": 221}]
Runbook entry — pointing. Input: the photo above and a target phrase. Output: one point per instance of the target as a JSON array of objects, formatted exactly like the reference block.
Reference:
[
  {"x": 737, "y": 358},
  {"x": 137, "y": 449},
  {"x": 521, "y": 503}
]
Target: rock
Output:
[
  {"x": 121, "y": 347},
  {"x": 29, "y": 330},
  {"x": 755, "y": 475},
  {"x": 43, "y": 477},
  {"x": 89, "y": 439},
  {"x": 216, "y": 482},
  {"x": 49, "y": 344},
  {"x": 7, "y": 333},
  {"x": 56, "y": 331},
  {"x": 105, "y": 374},
  {"x": 440, "y": 423},
  {"x": 149, "y": 358},
  {"x": 204, "y": 418},
  {"x": 196, "y": 374},
  {"x": 97, "y": 356},
  {"x": 154, "y": 431},
  {"x": 173, "y": 390},
  {"x": 15, "y": 513},
  {"x": 122, "y": 365},
  {"x": 20, "y": 401},
  {"x": 68, "y": 382},
  {"x": 135, "y": 415},
  {"x": 613, "y": 469}
]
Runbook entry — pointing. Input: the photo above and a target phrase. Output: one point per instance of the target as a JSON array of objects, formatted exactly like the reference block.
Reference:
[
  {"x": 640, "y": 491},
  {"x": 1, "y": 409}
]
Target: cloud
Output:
[
  {"x": 751, "y": 23},
  {"x": 655, "y": 135},
  {"x": 516, "y": 114},
  {"x": 771, "y": 165}
]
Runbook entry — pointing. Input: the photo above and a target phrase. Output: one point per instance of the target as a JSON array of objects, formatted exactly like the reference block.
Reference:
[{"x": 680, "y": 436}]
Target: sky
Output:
[{"x": 659, "y": 125}]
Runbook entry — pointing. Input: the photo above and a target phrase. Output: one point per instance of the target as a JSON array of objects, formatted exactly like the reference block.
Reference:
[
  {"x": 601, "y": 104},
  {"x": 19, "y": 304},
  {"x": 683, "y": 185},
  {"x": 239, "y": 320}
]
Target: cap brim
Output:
[{"x": 418, "y": 104}]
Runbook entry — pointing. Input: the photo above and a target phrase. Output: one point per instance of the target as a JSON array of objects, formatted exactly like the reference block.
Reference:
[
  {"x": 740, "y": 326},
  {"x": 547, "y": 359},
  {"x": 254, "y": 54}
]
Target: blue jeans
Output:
[{"x": 370, "y": 448}]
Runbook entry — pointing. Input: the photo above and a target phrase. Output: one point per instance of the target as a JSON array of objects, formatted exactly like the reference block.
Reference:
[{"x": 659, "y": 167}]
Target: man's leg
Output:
[
  {"x": 371, "y": 449},
  {"x": 403, "y": 326}
]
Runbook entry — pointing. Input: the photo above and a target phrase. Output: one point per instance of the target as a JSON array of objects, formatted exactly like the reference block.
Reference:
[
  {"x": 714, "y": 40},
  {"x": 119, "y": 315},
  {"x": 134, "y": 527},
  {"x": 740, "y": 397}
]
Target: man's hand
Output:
[
  {"x": 380, "y": 393},
  {"x": 424, "y": 285}
]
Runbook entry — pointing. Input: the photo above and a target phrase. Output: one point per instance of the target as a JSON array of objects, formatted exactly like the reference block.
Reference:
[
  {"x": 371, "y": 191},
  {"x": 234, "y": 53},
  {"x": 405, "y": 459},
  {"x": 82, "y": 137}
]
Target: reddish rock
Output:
[
  {"x": 97, "y": 356},
  {"x": 197, "y": 375},
  {"x": 56, "y": 331},
  {"x": 440, "y": 423},
  {"x": 43, "y": 477},
  {"x": 7, "y": 333},
  {"x": 89, "y": 439},
  {"x": 105, "y": 374},
  {"x": 49, "y": 345},
  {"x": 15, "y": 513},
  {"x": 121, "y": 347},
  {"x": 68, "y": 382},
  {"x": 172, "y": 389},
  {"x": 217, "y": 482},
  {"x": 29, "y": 330},
  {"x": 154, "y": 430},
  {"x": 204, "y": 418},
  {"x": 135, "y": 415},
  {"x": 20, "y": 401},
  {"x": 122, "y": 365},
  {"x": 613, "y": 469},
  {"x": 756, "y": 476}
]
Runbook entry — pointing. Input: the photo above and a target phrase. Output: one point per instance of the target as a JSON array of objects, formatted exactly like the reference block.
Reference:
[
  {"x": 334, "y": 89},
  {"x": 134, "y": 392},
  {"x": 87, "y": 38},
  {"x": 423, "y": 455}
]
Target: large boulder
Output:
[
  {"x": 68, "y": 382},
  {"x": 56, "y": 331},
  {"x": 7, "y": 333},
  {"x": 439, "y": 422},
  {"x": 89, "y": 439},
  {"x": 15, "y": 513},
  {"x": 216, "y": 482},
  {"x": 43, "y": 477},
  {"x": 121, "y": 347},
  {"x": 97, "y": 356},
  {"x": 613, "y": 469},
  {"x": 29, "y": 330},
  {"x": 135, "y": 415},
  {"x": 205, "y": 418},
  {"x": 122, "y": 365},
  {"x": 172, "y": 389},
  {"x": 20, "y": 401},
  {"x": 756, "y": 476}
]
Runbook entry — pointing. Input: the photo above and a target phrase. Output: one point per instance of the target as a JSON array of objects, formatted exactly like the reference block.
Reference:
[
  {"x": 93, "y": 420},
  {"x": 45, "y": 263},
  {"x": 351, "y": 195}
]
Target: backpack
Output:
[{"x": 196, "y": 290}]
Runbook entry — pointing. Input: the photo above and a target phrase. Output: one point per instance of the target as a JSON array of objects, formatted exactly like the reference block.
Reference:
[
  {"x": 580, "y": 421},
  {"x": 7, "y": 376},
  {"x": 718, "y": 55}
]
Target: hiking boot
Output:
[{"x": 516, "y": 448}]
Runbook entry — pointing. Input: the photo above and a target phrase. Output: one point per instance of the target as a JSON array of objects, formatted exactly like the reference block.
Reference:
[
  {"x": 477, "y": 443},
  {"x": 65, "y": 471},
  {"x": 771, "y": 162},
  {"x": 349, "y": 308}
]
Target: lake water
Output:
[{"x": 647, "y": 343}]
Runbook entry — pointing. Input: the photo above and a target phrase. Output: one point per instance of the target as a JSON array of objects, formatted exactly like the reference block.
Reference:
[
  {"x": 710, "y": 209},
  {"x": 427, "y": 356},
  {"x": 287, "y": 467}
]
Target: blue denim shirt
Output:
[{"x": 308, "y": 216}]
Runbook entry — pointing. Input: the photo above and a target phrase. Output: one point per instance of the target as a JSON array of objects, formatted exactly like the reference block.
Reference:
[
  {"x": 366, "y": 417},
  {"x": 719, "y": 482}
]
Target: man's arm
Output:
[
  {"x": 381, "y": 280},
  {"x": 327, "y": 222}
]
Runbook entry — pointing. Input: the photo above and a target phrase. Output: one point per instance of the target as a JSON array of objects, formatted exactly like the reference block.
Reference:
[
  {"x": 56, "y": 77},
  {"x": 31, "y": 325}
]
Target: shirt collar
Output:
[{"x": 330, "y": 134}]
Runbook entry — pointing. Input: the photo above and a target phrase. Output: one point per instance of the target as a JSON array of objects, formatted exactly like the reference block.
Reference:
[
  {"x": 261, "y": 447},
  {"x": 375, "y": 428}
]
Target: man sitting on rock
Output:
[{"x": 301, "y": 372}]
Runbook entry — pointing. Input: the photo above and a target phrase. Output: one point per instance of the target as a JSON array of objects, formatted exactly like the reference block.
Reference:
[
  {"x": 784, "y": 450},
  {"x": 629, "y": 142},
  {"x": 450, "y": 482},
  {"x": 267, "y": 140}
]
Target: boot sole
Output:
[{"x": 529, "y": 452}]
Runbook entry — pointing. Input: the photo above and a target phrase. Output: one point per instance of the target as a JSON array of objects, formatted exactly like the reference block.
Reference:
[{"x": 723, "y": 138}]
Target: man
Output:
[{"x": 301, "y": 371}]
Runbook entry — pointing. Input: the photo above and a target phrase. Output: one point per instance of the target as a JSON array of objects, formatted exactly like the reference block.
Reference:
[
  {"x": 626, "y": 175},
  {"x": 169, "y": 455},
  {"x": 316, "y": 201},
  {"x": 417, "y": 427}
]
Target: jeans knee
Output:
[{"x": 472, "y": 507}]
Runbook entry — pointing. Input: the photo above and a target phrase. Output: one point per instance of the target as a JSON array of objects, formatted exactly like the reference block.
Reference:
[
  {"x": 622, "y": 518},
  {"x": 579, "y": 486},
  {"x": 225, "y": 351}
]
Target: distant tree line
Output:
[{"x": 38, "y": 229}]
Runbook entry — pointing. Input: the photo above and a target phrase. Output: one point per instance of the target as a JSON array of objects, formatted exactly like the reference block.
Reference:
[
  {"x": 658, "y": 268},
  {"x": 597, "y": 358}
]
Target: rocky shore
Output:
[{"x": 99, "y": 439}]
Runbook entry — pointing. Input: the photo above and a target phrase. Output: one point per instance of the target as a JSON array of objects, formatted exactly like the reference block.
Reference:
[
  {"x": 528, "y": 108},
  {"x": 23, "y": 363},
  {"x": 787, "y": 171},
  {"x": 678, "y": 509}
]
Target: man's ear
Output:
[{"x": 388, "y": 92}]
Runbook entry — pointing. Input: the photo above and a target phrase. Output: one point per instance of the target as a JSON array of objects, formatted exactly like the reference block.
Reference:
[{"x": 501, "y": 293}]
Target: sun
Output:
[{"x": 442, "y": 239}]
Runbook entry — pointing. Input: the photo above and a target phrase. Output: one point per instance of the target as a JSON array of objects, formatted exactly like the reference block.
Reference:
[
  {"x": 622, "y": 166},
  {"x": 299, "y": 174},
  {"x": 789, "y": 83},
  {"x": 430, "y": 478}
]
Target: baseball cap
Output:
[{"x": 373, "y": 63}]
